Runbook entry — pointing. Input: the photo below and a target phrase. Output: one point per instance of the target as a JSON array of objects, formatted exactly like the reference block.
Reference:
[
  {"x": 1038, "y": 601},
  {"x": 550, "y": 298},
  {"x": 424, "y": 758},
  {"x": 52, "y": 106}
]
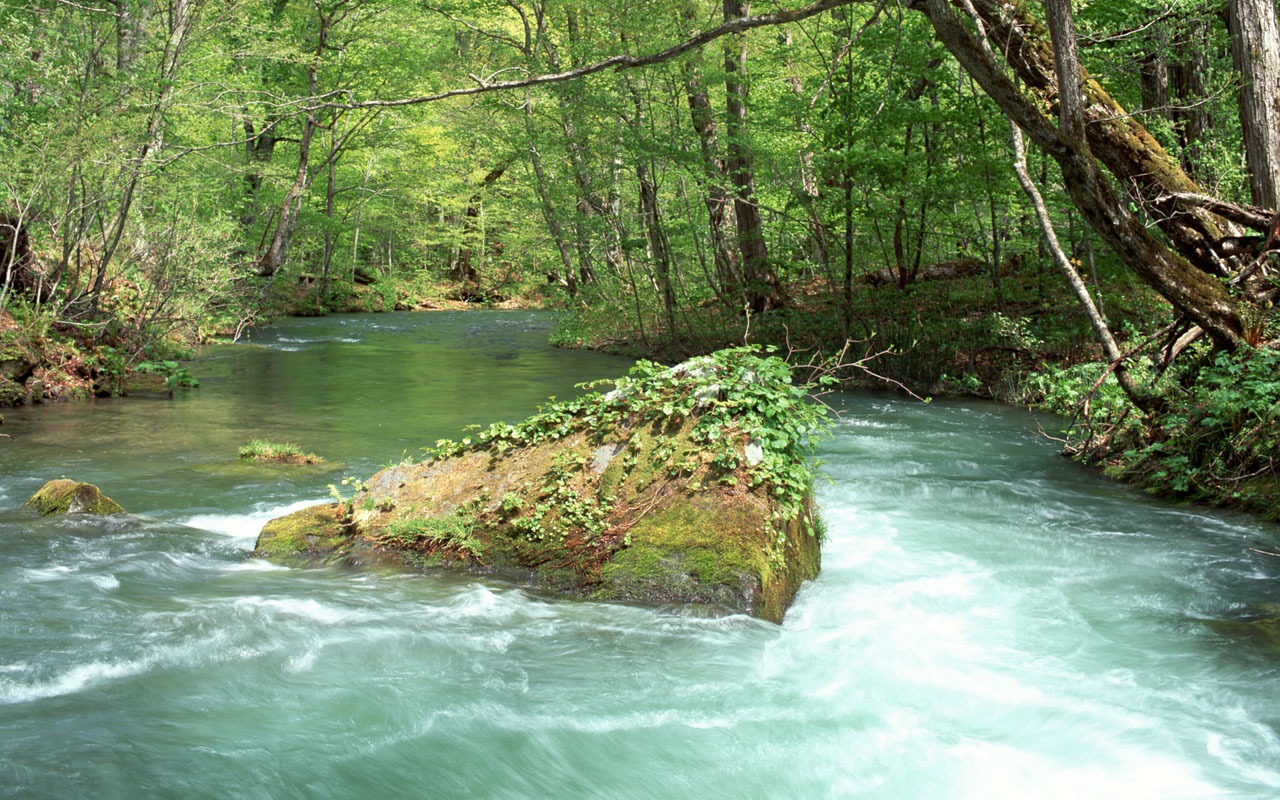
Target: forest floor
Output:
[{"x": 954, "y": 336}]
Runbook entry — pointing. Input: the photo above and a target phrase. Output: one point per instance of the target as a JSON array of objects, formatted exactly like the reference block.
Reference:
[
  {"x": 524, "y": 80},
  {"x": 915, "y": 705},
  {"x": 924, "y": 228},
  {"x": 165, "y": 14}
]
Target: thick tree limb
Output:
[
  {"x": 1255, "y": 217},
  {"x": 623, "y": 61},
  {"x": 1190, "y": 290}
]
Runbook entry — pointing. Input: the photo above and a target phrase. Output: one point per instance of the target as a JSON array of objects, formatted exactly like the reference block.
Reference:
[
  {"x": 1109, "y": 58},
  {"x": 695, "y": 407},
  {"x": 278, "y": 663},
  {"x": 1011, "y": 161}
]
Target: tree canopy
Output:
[{"x": 683, "y": 169}]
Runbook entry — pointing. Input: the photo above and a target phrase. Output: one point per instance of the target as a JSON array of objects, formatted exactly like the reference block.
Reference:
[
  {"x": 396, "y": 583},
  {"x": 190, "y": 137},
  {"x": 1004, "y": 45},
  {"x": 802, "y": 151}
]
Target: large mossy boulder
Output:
[
  {"x": 681, "y": 485},
  {"x": 64, "y": 496},
  {"x": 311, "y": 536}
]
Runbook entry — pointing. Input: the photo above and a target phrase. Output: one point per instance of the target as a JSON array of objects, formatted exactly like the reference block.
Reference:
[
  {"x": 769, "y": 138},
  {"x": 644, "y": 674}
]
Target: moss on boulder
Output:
[
  {"x": 64, "y": 496},
  {"x": 682, "y": 485},
  {"x": 308, "y": 537}
]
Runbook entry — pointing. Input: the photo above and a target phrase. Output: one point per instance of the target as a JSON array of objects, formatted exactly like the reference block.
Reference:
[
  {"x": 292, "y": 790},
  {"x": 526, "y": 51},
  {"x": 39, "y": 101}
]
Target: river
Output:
[{"x": 991, "y": 620}]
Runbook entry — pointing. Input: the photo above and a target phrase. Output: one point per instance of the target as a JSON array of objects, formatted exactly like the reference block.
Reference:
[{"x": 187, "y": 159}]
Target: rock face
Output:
[
  {"x": 64, "y": 496},
  {"x": 685, "y": 485}
]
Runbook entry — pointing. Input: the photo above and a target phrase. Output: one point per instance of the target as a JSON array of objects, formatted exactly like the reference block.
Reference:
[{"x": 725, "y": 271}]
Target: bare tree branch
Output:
[{"x": 623, "y": 61}]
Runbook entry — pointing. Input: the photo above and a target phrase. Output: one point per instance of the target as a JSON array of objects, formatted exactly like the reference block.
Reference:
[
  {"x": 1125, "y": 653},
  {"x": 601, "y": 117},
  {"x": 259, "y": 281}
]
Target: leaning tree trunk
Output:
[
  {"x": 656, "y": 237},
  {"x": 1101, "y": 331},
  {"x": 1189, "y": 274},
  {"x": 549, "y": 214},
  {"x": 182, "y": 15},
  {"x": 270, "y": 261}
]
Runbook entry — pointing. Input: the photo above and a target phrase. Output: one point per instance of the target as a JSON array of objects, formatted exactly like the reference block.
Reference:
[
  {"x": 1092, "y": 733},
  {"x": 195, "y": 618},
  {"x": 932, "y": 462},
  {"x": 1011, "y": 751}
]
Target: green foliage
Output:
[
  {"x": 1217, "y": 435},
  {"x": 738, "y": 397},
  {"x": 455, "y": 532},
  {"x": 511, "y": 503},
  {"x": 279, "y": 452},
  {"x": 357, "y": 485},
  {"x": 168, "y": 176},
  {"x": 1016, "y": 332},
  {"x": 1066, "y": 390},
  {"x": 562, "y": 508},
  {"x": 175, "y": 375}
]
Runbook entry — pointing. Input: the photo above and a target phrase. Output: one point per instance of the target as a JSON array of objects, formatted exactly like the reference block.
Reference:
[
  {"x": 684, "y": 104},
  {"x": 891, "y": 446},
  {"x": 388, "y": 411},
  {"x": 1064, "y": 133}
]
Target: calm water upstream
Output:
[{"x": 991, "y": 621}]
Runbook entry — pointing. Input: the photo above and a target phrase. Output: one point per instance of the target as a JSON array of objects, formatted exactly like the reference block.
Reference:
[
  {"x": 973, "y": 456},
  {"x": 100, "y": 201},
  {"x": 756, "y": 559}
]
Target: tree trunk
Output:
[
  {"x": 549, "y": 215},
  {"x": 656, "y": 238},
  {"x": 1255, "y": 48},
  {"x": 909, "y": 267},
  {"x": 259, "y": 147},
  {"x": 1114, "y": 138},
  {"x": 1102, "y": 332},
  {"x": 1188, "y": 90},
  {"x": 270, "y": 262},
  {"x": 761, "y": 288},
  {"x": 715, "y": 198},
  {"x": 131, "y": 29},
  {"x": 330, "y": 196},
  {"x": 810, "y": 193},
  {"x": 1066, "y": 61},
  {"x": 589, "y": 202},
  {"x": 15, "y": 258},
  {"x": 463, "y": 269},
  {"x": 182, "y": 17}
]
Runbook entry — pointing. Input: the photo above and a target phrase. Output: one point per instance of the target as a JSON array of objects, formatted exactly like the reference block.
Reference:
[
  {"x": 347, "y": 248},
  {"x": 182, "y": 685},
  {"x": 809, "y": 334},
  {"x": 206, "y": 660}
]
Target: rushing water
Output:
[{"x": 990, "y": 621}]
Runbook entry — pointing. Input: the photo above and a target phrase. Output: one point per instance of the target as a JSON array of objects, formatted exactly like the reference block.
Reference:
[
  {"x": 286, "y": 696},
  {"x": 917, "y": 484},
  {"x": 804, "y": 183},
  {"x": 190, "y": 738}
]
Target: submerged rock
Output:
[
  {"x": 64, "y": 496},
  {"x": 684, "y": 485},
  {"x": 1260, "y": 626}
]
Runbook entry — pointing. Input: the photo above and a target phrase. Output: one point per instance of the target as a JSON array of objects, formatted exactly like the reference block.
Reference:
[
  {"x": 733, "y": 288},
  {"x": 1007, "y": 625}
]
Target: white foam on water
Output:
[
  {"x": 484, "y": 603},
  {"x": 992, "y": 771},
  {"x": 256, "y": 565},
  {"x": 73, "y": 680},
  {"x": 245, "y": 526},
  {"x": 106, "y": 583},
  {"x": 43, "y": 574},
  {"x": 306, "y": 608}
]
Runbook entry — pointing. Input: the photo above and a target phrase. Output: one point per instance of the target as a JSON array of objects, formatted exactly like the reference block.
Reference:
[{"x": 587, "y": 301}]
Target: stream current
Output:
[{"x": 990, "y": 621}]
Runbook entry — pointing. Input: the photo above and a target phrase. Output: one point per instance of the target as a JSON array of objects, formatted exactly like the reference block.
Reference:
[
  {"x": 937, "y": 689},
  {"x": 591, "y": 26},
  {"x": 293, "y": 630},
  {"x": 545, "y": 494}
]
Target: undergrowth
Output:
[{"x": 1217, "y": 440}]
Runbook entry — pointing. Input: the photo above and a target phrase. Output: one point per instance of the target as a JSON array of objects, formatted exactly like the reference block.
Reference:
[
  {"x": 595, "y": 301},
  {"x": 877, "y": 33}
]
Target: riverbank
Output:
[
  {"x": 1213, "y": 443},
  {"x": 1026, "y": 344}
]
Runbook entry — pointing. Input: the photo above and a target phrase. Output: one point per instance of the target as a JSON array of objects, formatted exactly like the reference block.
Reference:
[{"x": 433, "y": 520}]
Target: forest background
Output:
[{"x": 845, "y": 179}]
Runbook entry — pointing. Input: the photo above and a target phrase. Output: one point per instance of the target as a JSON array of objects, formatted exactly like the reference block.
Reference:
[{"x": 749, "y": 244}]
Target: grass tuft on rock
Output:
[{"x": 277, "y": 453}]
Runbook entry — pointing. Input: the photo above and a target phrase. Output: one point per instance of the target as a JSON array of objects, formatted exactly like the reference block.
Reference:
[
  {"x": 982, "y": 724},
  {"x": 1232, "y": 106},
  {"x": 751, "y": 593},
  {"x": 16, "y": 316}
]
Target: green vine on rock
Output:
[{"x": 745, "y": 406}]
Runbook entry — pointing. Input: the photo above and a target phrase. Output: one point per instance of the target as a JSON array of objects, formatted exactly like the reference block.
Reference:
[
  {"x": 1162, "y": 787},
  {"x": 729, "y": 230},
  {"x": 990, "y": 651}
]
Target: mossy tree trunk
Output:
[{"x": 1185, "y": 267}]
